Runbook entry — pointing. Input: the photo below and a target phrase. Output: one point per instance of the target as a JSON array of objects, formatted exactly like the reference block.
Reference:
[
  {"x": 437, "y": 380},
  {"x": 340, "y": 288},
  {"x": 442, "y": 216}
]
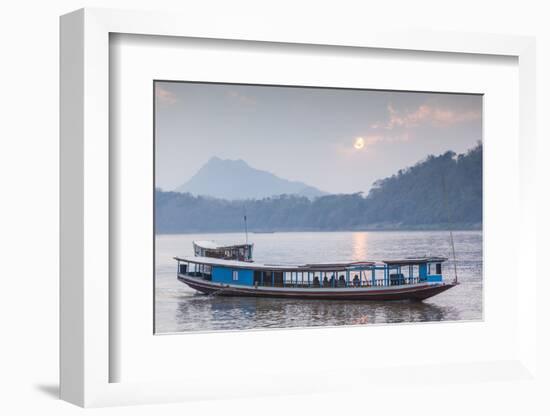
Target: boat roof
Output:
[
  {"x": 332, "y": 266},
  {"x": 213, "y": 245},
  {"x": 212, "y": 261},
  {"x": 326, "y": 265},
  {"x": 416, "y": 260}
]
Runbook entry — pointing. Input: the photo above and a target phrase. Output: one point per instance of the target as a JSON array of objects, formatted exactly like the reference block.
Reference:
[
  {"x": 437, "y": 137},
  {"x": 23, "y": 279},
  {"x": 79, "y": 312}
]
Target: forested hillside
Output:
[
  {"x": 422, "y": 193},
  {"x": 425, "y": 195}
]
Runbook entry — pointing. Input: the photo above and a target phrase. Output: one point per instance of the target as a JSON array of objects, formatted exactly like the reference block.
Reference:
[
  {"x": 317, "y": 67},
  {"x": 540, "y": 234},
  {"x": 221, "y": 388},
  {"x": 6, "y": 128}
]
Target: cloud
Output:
[
  {"x": 370, "y": 142},
  {"x": 425, "y": 114},
  {"x": 164, "y": 96},
  {"x": 400, "y": 125},
  {"x": 372, "y": 139}
]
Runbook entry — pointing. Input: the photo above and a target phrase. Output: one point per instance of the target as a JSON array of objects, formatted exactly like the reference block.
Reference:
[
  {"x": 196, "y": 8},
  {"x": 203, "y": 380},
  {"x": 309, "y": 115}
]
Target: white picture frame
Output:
[{"x": 87, "y": 355}]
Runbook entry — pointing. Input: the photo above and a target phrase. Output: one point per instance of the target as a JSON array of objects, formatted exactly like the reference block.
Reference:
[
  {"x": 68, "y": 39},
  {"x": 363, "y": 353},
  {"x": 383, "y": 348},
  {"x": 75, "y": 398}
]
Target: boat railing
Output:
[
  {"x": 328, "y": 285},
  {"x": 351, "y": 284}
]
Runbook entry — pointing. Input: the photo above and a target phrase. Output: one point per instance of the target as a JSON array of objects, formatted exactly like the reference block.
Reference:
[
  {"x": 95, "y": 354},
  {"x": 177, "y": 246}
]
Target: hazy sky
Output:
[{"x": 307, "y": 134}]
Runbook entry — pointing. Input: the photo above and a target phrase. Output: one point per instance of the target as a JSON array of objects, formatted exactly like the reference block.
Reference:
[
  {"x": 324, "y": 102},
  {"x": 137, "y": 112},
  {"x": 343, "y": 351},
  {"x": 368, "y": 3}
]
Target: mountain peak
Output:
[
  {"x": 215, "y": 160},
  {"x": 236, "y": 179}
]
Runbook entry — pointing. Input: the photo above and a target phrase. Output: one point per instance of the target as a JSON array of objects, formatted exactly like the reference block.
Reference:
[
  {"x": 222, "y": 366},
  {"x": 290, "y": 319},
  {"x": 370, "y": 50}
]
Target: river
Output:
[{"x": 180, "y": 309}]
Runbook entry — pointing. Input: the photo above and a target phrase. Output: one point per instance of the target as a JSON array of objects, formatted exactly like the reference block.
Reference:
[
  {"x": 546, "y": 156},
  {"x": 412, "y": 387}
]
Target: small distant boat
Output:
[
  {"x": 213, "y": 271},
  {"x": 208, "y": 248}
]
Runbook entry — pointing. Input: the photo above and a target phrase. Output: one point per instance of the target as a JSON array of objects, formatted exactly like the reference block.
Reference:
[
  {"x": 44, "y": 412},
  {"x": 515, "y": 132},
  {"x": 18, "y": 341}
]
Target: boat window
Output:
[
  {"x": 258, "y": 278},
  {"x": 412, "y": 271},
  {"x": 278, "y": 279},
  {"x": 270, "y": 276},
  {"x": 438, "y": 268},
  {"x": 235, "y": 275}
]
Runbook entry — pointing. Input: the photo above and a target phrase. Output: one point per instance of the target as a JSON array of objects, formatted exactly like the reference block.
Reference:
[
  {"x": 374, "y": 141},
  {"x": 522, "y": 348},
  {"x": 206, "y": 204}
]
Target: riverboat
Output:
[{"x": 413, "y": 279}]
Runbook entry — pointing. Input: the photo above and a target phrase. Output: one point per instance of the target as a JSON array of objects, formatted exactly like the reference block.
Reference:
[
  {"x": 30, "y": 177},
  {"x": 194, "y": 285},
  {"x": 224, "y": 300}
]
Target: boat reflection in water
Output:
[{"x": 230, "y": 313}]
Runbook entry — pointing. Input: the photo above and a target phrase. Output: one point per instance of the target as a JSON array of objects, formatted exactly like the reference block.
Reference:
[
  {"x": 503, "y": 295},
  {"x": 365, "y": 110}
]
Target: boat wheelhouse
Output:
[
  {"x": 406, "y": 279},
  {"x": 207, "y": 248}
]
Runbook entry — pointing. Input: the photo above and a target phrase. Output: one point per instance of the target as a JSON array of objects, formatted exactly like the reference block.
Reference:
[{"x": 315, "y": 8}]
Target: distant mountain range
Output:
[
  {"x": 436, "y": 193},
  {"x": 235, "y": 179}
]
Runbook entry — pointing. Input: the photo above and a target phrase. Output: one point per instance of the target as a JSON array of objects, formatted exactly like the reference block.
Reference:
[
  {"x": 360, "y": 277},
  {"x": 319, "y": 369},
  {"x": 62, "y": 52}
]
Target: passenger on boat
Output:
[
  {"x": 332, "y": 281},
  {"x": 341, "y": 281},
  {"x": 356, "y": 281},
  {"x": 316, "y": 282},
  {"x": 325, "y": 281}
]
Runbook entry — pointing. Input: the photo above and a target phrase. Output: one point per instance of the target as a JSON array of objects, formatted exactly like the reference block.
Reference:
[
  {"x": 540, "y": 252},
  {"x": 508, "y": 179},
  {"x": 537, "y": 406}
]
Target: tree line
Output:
[{"x": 439, "y": 192}]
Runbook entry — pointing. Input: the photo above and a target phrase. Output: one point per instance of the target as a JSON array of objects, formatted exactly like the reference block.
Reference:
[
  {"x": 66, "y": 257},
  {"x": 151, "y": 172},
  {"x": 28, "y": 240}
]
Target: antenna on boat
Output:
[
  {"x": 450, "y": 228},
  {"x": 245, "y": 225}
]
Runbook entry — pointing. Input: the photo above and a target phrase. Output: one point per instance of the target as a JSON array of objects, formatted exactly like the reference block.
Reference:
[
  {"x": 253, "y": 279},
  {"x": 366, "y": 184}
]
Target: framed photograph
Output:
[
  {"x": 261, "y": 213},
  {"x": 289, "y": 206}
]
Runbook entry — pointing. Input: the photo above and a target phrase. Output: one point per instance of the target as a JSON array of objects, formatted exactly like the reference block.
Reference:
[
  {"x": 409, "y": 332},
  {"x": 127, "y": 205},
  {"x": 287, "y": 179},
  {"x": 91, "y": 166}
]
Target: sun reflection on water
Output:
[{"x": 360, "y": 246}]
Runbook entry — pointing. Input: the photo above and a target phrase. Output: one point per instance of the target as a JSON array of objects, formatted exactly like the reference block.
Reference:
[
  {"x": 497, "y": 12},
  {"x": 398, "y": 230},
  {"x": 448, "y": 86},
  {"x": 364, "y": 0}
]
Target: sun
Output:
[{"x": 359, "y": 143}]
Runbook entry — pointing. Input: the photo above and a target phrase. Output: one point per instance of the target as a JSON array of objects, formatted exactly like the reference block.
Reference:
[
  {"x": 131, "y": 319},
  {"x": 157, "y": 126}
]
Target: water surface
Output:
[{"x": 179, "y": 308}]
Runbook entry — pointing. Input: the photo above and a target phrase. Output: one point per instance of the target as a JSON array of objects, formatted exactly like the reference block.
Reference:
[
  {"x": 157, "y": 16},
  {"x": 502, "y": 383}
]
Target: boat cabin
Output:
[{"x": 240, "y": 252}]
